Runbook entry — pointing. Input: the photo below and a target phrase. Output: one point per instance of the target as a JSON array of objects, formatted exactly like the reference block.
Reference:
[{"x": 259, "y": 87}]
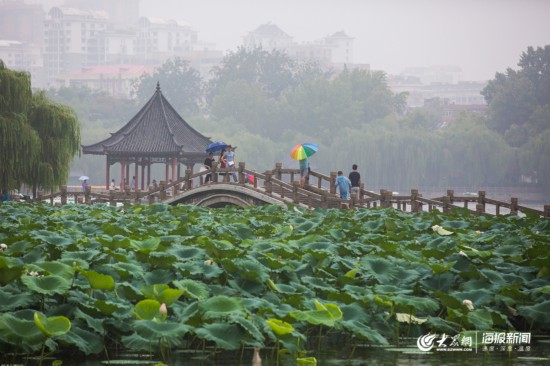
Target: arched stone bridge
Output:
[{"x": 224, "y": 194}]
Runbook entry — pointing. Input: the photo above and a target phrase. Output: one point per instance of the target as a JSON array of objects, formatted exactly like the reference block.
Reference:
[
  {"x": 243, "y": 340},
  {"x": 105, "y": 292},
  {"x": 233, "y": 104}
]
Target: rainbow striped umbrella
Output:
[{"x": 302, "y": 151}]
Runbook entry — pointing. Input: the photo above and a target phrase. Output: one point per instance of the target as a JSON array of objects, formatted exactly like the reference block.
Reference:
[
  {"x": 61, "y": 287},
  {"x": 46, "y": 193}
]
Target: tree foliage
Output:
[
  {"x": 519, "y": 100},
  {"x": 181, "y": 85},
  {"x": 38, "y": 138}
]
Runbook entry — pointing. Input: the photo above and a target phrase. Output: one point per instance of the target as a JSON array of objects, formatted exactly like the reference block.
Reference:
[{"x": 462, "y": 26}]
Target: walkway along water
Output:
[{"x": 281, "y": 186}]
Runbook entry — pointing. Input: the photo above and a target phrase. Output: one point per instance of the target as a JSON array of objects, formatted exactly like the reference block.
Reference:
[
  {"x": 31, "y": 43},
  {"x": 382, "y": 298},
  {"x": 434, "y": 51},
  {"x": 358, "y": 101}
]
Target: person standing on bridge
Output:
[
  {"x": 344, "y": 186},
  {"x": 208, "y": 165},
  {"x": 355, "y": 179},
  {"x": 229, "y": 157}
]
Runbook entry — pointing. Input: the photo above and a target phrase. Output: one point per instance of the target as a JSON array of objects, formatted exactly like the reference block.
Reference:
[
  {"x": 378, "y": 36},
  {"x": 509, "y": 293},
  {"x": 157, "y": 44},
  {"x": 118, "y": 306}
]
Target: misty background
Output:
[{"x": 416, "y": 102}]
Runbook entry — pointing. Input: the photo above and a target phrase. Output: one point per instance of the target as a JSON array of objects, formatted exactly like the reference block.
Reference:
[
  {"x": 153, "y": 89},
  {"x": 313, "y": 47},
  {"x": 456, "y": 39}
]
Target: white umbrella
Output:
[{"x": 84, "y": 177}]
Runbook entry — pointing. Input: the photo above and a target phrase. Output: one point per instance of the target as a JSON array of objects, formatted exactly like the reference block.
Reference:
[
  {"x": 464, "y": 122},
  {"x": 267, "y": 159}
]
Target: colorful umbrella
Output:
[
  {"x": 216, "y": 146},
  {"x": 302, "y": 151},
  {"x": 84, "y": 177}
]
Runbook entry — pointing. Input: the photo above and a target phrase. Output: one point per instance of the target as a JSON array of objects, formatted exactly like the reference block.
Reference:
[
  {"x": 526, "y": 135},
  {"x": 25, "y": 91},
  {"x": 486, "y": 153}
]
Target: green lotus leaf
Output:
[
  {"x": 481, "y": 319},
  {"x": 147, "y": 309},
  {"x": 221, "y": 306},
  {"x": 192, "y": 289},
  {"x": 10, "y": 269},
  {"x": 170, "y": 332},
  {"x": 306, "y": 361},
  {"x": 52, "y": 326},
  {"x": 47, "y": 285},
  {"x": 536, "y": 313},
  {"x": 170, "y": 296},
  {"x": 52, "y": 268},
  {"x": 13, "y": 298},
  {"x": 333, "y": 309},
  {"x": 439, "y": 268},
  {"x": 225, "y": 336},
  {"x": 317, "y": 283},
  {"x": 279, "y": 327},
  {"x": 407, "y": 303},
  {"x": 251, "y": 329},
  {"x": 100, "y": 281},
  {"x": 146, "y": 246},
  {"x": 442, "y": 325},
  {"x": 21, "y": 333},
  {"x": 154, "y": 291},
  {"x": 108, "y": 307},
  {"x": 87, "y": 342},
  {"x": 322, "y": 317}
]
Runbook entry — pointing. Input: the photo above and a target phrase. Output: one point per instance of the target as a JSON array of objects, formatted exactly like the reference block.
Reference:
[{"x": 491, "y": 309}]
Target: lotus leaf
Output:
[
  {"x": 192, "y": 289},
  {"x": 52, "y": 326},
  {"x": 47, "y": 285},
  {"x": 279, "y": 327},
  {"x": 21, "y": 333},
  {"x": 99, "y": 281},
  {"x": 148, "y": 310},
  {"x": 221, "y": 306},
  {"x": 226, "y": 336}
]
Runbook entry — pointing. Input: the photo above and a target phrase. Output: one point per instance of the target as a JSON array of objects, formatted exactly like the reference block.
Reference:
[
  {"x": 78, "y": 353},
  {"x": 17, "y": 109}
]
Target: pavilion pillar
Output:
[
  {"x": 127, "y": 180},
  {"x": 136, "y": 173},
  {"x": 167, "y": 170},
  {"x": 179, "y": 170},
  {"x": 142, "y": 174},
  {"x": 107, "y": 172},
  {"x": 122, "y": 164},
  {"x": 173, "y": 174},
  {"x": 148, "y": 172}
]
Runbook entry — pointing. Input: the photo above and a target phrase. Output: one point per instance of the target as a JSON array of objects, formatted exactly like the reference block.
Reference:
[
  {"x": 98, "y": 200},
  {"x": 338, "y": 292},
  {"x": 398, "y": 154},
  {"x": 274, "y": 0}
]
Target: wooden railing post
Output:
[
  {"x": 361, "y": 189},
  {"x": 112, "y": 198},
  {"x": 278, "y": 168},
  {"x": 332, "y": 186},
  {"x": 241, "y": 172},
  {"x": 480, "y": 207},
  {"x": 547, "y": 211},
  {"x": 446, "y": 204},
  {"x": 87, "y": 197},
  {"x": 214, "y": 171},
  {"x": 188, "y": 173},
  {"x": 268, "y": 183},
  {"x": 162, "y": 186},
  {"x": 137, "y": 192},
  {"x": 63, "y": 195},
  {"x": 451, "y": 195},
  {"x": 514, "y": 206},
  {"x": 414, "y": 202}
]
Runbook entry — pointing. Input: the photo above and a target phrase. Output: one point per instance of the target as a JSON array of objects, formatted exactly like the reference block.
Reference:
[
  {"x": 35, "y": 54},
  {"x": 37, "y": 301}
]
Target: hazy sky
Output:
[{"x": 480, "y": 36}]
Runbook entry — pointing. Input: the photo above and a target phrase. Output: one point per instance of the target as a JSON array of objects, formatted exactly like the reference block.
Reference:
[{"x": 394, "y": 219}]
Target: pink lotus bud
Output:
[{"x": 163, "y": 309}]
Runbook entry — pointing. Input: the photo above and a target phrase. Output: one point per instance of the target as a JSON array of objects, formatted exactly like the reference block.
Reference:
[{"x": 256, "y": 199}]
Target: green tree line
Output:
[{"x": 265, "y": 103}]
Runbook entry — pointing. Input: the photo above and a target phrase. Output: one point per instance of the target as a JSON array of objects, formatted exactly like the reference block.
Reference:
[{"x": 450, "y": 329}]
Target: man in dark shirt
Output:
[
  {"x": 208, "y": 165},
  {"x": 355, "y": 179}
]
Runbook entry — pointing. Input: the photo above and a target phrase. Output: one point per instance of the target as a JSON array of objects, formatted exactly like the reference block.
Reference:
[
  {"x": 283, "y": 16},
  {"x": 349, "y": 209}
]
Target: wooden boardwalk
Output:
[{"x": 281, "y": 186}]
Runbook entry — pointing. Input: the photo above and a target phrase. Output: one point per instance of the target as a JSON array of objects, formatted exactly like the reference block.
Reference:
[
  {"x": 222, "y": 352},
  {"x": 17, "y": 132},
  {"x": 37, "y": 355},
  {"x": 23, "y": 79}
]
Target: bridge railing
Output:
[{"x": 283, "y": 184}]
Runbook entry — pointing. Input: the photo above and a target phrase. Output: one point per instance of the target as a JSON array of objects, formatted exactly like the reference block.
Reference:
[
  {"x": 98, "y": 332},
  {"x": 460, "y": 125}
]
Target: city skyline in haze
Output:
[{"x": 481, "y": 37}]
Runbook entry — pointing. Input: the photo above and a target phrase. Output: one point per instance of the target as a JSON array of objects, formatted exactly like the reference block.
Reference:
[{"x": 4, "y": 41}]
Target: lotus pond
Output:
[{"x": 189, "y": 283}]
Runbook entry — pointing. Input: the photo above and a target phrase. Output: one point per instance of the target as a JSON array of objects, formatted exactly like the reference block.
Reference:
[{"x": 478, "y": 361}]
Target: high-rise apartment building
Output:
[{"x": 68, "y": 34}]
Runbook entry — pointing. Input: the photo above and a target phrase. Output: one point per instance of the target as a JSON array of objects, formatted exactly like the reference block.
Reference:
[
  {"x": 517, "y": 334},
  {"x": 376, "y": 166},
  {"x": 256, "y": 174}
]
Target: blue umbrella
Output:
[{"x": 216, "y": 146}]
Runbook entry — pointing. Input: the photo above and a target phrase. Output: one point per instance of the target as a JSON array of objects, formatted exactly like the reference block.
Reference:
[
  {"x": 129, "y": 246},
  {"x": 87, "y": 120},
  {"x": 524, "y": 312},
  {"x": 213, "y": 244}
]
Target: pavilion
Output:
[{"x": 156, "y": 134}]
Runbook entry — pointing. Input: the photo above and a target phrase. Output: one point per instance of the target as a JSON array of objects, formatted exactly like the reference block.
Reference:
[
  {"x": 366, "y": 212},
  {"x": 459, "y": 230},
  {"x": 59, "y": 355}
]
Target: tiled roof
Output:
[{"x": 157, "y": 130}]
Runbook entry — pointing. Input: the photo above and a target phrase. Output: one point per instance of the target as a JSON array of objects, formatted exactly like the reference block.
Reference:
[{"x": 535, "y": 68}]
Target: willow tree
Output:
[
  {"x": 38, "y": 138},
  {"x": 59, "y": 131},
  {"x": 19, "y": 142}
]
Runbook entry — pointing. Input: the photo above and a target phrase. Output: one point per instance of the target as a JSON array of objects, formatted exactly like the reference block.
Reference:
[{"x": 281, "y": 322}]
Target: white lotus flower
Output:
[
  {"x": 469, "y": 304},
  {"x": 209, "y": 262},
  {"x": 435, "y": 227},
  {"x": 3, "y": 247},
  {"x": 463, "y": 254}
]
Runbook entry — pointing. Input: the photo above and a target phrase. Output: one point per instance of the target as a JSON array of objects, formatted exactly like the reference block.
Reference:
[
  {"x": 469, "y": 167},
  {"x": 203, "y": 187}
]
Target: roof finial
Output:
[{"x": 158, "y": 86}]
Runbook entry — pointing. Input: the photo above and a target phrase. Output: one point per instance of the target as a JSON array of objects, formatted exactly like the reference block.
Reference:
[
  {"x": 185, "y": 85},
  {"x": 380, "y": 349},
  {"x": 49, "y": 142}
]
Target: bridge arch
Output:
[{"x": 224, "y": 194}]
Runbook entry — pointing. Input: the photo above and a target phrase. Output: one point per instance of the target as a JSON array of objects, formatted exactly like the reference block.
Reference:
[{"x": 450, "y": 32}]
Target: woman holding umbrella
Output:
[{"x": 302, "y": 152}]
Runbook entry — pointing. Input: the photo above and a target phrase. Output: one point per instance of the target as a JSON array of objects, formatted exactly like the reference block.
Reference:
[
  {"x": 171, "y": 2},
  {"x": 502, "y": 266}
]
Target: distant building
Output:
[
  {"x": 116, "y": 80},
  {"x": 23, "y": 57},
  {"x": 21, "y": 22},
  {"x": 333, "y": 51},
  {"x": 123, "y": 14},
  {"x": 269, "y": 37},
  {"x": 69, "y": 34}
]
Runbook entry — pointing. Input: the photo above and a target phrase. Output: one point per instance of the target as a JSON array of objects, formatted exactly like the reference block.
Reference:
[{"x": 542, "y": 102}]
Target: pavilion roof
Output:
[{"x": 157, "y": 130}]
